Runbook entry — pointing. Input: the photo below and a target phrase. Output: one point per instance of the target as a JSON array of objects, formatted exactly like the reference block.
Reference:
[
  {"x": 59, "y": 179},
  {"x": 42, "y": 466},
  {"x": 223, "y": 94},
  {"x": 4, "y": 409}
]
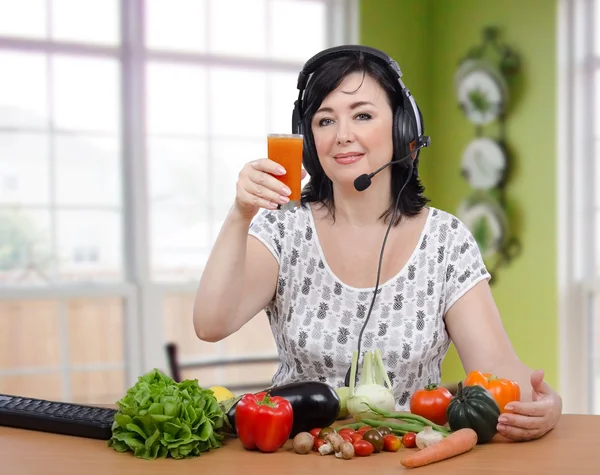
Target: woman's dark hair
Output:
[{"x": 319, "y": 187}]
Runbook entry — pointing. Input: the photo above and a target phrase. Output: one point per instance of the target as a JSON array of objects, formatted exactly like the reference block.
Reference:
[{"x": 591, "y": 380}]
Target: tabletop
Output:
[{"x": 572, "y": 448}]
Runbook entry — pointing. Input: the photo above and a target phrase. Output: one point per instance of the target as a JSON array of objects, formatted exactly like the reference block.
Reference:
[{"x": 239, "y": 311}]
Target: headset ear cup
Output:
[
  {"x": 409, "y": 134},
  {"x": 397, "y": 137}
]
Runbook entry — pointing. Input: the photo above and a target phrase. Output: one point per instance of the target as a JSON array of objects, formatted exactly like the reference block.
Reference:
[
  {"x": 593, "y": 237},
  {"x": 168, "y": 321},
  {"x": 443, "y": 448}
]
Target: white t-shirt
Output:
[{"x": 316, "y": 319}]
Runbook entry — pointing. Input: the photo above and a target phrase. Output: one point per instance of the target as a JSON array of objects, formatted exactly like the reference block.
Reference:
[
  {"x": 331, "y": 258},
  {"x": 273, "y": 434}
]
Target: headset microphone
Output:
[{"x": 364, "y": 181}]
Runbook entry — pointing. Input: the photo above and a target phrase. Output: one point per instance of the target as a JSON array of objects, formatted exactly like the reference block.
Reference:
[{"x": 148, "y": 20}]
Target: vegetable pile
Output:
[
  {"x": 159, "y": 418},
  {"x": 346, "y": 442}
]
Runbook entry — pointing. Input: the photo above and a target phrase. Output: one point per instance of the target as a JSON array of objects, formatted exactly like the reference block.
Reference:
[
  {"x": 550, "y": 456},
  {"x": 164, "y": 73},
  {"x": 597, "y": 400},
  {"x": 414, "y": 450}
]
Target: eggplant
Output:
[{"x": 315, "y": 404}]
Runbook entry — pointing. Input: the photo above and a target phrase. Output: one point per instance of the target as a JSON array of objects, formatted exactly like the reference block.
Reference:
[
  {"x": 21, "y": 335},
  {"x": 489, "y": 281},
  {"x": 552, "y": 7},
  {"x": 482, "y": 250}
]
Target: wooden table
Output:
[{"x": 572, "y": 448}]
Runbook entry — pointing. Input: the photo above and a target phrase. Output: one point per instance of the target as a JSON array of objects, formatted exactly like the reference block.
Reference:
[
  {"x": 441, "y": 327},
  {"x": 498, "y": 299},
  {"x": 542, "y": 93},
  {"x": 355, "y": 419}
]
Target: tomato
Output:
[
  {"x": 346, "y": 431},
  {"x": 363, "y": 429},
  {"x": 356, "y": 436},
  {"x": 315, "y": 432},
  {"x": 362, "y": 448},
  {"x": 391, "y": 443},
  {"x": 409, "y": 440},
  {"x": 431, "y": 403},
  {"x": 502, "y": 390},
  {"x": 318, "y": 443},
  {"x": 375, "y": 439},
  {"x": 347, "y": 438}
]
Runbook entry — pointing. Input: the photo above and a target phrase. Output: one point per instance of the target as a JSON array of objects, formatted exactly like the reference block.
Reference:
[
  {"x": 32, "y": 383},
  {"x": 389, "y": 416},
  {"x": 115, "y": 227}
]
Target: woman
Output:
[{"x": 314, "y": 269}]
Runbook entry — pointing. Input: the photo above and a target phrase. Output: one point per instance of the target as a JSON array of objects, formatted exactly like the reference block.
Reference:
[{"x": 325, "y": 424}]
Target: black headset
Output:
[{"x": 407, "y": 133}]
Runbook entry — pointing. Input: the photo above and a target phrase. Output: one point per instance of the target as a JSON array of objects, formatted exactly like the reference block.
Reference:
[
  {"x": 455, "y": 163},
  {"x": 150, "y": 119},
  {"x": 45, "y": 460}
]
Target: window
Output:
[
  {"x": 123, "y": 125},
  {"x": 579, "y": 203}
]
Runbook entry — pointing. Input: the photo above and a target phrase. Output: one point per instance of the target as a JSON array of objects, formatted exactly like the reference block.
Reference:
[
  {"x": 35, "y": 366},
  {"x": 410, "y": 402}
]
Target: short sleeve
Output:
[
  {"x": 269, "y": 230},
  {"x": 465, "y": 266}
]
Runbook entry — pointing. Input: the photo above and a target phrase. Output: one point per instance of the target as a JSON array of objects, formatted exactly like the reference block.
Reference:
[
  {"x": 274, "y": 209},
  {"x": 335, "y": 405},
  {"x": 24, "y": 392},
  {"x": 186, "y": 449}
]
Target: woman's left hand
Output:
[{"x": 532, "y": 419}]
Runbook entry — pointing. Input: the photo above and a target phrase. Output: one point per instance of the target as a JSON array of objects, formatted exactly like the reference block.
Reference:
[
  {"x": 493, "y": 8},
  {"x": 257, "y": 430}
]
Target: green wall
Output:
[{"x": 428, "y": 38}]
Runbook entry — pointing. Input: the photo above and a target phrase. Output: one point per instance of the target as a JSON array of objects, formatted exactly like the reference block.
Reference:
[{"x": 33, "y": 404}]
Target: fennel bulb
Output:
[{"x": 375, "y": 388}]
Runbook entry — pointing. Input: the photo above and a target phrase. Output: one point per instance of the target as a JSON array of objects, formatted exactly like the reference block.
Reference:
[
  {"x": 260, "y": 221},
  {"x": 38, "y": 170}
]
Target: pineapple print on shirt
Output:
[{"x": 316, "y": 318}]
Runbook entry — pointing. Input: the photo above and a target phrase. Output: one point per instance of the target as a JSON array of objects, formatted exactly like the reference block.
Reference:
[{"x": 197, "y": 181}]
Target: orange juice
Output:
[{"x": 286, "y": 149}]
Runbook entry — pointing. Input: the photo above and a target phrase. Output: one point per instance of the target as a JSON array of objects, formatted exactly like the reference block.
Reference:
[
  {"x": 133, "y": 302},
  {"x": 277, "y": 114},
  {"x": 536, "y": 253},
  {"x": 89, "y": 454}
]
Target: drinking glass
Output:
[{"x": 286, "y": 149}]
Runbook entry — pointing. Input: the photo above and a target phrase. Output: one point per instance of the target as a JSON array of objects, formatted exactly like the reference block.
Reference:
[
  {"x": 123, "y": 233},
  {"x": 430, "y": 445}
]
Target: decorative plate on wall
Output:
[
  {"x": 484, "y": 163},
  {"x": 487, "y": 222},
  {"x": 481, "y": 90}
]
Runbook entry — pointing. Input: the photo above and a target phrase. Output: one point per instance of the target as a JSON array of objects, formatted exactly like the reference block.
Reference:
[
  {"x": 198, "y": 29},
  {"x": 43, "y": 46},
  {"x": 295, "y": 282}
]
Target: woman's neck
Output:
[{"x": 361, "y": 208}]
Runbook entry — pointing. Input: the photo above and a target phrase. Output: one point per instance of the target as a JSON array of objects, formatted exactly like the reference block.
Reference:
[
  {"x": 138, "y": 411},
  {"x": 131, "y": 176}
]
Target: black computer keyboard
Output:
[{"x": 56, "y": 417}]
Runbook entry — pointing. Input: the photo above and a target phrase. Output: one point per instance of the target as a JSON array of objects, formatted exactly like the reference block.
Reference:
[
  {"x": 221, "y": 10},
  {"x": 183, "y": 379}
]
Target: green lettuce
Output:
[{"x": 159, "y": 418}]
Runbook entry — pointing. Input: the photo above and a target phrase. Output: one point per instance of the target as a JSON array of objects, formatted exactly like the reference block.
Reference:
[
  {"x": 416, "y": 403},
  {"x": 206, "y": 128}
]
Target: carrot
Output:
[{"x": 454, "y": 444}]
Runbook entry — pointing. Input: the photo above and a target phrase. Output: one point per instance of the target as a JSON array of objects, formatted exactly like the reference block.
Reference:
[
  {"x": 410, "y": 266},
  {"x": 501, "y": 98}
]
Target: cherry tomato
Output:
[
  {"x": 364, "y": 429},
  {"x": 315, "y": 432},
  {"x": 362, "y": 448},
  {"x": 391, "y": 443},
  {"x": 346, "y": 431},
  {"x": 347, "y": 438},
  {"x": 384, "y": 430},
  {"x": 375, "y": 439},
  {"x": 409, "y": 440},
  {"x": 431, "y": 403},
  {"x": 318, "y": 443}
]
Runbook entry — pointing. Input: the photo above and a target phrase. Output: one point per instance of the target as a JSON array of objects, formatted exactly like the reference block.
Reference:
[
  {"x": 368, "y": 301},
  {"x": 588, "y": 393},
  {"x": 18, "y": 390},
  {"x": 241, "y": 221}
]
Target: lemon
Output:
[{"x": 221, "y": 393}]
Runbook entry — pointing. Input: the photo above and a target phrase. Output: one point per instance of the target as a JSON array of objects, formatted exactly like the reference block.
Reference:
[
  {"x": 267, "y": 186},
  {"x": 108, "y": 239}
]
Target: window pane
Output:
[
  {"x": 87, "y": 171},
  {"x": 596, "y": 190},
  {"x": 176, "y": 310},
  {"x": 176, "y": 24},
  {"x": 90, "y": 21},
  {"x": 25, "y": 18},
  {"x": 24, "y": 94},
  {"x": 43, "y": 386},
  {"x": 228, "y": 159},
  {"x": 177, "y": 100},
  {"x": 179, "y": 241},
  {"x": 25, "y": 246},
  {"x": 288, "y": 22},
  {"x": 238, "y": 27},
  {"x": 282, "y": 94},
  {"x": 237, "y": 102},
  {"x": 97, "y": 387},
  {"x": 24, "y": 174},
  {"x": 596, "y": 100},
  {"x": 178, "y": 172},
  {"x": 89, "y": 245},
  {"x": 29, "y": 334},
  {"x": 86, "y": 94},
  {"x": 95, "y": 328}
]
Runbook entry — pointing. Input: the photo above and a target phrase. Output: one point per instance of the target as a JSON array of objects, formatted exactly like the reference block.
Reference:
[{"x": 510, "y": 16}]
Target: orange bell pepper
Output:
[{"x": 502, "y": 390}]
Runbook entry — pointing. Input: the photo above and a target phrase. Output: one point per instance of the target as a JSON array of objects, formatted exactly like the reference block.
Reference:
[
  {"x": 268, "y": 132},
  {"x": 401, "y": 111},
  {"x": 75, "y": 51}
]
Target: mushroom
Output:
[{"x": 303, "y": 443}]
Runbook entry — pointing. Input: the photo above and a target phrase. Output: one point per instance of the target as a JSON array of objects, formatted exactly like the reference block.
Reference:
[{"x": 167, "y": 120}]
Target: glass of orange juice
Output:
[{"x": 286, "y": 149}]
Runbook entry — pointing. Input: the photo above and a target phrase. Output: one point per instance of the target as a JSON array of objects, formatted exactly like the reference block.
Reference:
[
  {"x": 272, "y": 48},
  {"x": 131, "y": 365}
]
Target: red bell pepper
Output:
[{"x": 263, "y": 422}]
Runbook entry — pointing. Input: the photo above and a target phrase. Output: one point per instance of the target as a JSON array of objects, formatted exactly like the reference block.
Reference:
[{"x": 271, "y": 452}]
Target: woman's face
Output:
[{"x": 352, "y": 129}]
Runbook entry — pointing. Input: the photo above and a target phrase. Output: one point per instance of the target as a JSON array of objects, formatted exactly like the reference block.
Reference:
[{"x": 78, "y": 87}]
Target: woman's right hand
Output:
[{"x": 257, "y": 187}]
